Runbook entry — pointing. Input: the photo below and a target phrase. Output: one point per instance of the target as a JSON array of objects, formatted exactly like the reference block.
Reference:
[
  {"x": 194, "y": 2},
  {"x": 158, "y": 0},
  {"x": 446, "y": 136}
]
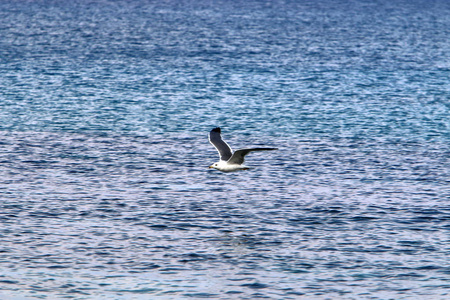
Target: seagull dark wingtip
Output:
[{"x": 217, "y": 129}]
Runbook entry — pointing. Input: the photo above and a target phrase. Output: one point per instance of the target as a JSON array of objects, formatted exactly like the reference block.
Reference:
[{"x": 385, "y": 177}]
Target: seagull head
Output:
[{"x": 214, "y": 166}]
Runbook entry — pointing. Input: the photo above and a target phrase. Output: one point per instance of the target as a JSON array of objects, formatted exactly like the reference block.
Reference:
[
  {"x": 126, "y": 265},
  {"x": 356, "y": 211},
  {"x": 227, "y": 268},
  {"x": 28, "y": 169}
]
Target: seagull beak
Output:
[{"x": 210, "y": 167}]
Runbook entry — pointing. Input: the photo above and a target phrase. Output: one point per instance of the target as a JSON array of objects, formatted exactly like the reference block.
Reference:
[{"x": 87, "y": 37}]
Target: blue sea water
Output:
[{"x": 105, "y": 107}]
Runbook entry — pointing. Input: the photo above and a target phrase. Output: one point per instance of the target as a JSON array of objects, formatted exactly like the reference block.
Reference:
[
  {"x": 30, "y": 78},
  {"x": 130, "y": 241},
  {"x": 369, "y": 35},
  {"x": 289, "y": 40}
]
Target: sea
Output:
[{"x": 105, "y": 110}]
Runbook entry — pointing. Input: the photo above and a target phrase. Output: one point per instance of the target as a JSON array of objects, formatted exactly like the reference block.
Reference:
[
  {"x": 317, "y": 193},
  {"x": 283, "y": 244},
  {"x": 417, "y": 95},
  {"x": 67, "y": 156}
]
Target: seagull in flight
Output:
[{"x": 229, "y": 161}]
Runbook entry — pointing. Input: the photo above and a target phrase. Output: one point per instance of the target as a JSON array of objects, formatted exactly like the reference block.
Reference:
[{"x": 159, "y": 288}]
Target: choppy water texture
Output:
[{"x": 105, "y": 108}]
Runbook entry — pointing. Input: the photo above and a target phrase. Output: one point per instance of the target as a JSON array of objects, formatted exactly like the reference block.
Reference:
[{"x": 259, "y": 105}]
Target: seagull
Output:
[{"x": 229, "y": 161}]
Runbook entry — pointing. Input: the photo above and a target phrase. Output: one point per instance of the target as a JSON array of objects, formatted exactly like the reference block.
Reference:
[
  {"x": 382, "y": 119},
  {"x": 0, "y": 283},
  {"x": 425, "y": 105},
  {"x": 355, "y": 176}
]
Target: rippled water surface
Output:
[{"x": 105, "y": 107}]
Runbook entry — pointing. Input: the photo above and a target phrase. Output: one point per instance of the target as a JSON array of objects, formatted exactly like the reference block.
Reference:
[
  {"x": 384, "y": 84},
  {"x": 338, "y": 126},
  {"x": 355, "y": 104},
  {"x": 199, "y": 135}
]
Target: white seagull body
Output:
[{"x": 229, "y": 161}]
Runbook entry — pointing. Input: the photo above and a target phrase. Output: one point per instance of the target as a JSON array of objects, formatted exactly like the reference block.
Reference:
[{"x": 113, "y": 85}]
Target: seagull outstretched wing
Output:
[
  {"x": 238, "y": 155},
  {"x": 216, "y": 140}
]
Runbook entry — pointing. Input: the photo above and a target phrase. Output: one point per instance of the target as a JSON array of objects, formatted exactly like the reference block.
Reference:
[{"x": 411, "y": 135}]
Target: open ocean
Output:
[{"x": 105, "y": 109}]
